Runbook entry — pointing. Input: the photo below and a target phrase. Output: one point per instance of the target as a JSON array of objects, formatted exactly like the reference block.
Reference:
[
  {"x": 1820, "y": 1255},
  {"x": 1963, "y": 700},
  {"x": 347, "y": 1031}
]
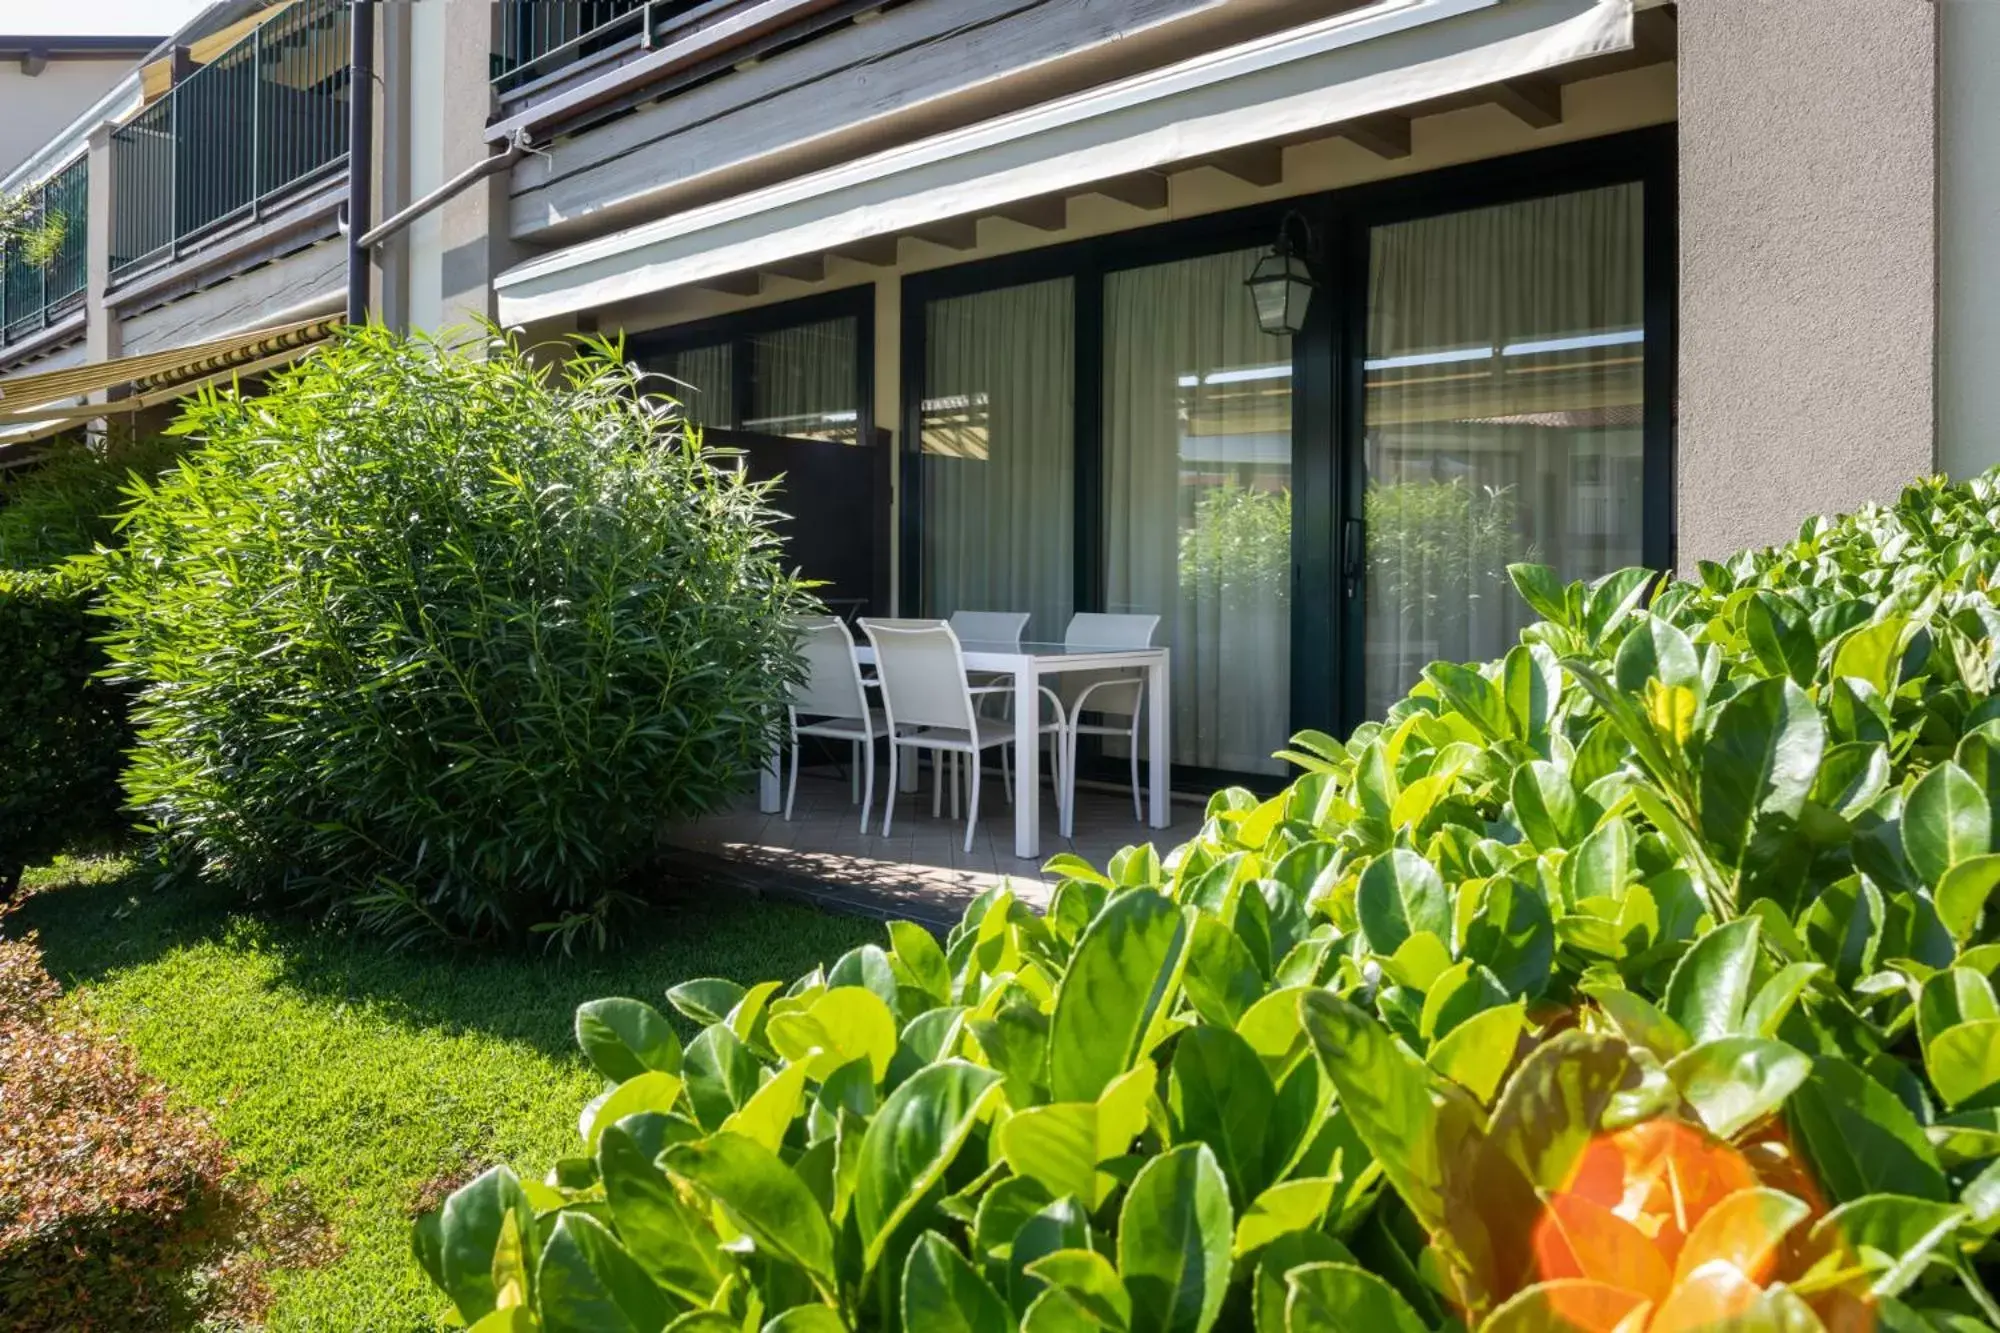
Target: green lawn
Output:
[{"x": 359, "y": 1074}]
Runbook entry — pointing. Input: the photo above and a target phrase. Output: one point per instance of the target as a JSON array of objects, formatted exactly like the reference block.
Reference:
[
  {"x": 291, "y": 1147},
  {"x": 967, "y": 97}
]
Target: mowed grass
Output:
[{"x": 370, "y": 1078}]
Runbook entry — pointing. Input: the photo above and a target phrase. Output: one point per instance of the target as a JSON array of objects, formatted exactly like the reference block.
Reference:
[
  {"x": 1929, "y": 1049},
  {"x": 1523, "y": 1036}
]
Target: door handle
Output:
[{"x": 1353, "y": 554}]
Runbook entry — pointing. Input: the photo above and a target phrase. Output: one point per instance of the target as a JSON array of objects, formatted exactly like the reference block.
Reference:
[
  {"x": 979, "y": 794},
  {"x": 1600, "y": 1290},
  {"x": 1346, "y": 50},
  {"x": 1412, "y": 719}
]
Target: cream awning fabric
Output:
[
  {"x": 1391, "y": 54},
  {"x": 53, "y": 398}
]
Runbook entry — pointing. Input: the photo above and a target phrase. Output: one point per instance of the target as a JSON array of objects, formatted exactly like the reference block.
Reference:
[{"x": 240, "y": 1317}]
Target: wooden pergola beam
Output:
[
  {"x": 1048, "y": 213},
  {"x": 1259, "y": 164},
  {"x": 1535, "y": 101},
  {"x": 1385, "y": 135},
  {"x": 1142, "y": 189}
]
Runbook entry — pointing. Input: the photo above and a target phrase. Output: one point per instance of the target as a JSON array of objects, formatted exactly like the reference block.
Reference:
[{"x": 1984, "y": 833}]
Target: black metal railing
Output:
[
  {"x": 261, "y": 117},
  {"x": 44, "y": 264},
  {"x": 538, "y": 37}
]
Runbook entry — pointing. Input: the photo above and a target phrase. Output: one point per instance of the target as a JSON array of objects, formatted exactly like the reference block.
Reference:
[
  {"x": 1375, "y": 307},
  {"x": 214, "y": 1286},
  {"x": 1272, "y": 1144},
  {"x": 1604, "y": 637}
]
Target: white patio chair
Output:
[
  {"x": 836, "y": 706},
  {"x": 929, "y": 705},
  {"x": 995, "y": 629},
  {"x": 1116, "y": 696}
]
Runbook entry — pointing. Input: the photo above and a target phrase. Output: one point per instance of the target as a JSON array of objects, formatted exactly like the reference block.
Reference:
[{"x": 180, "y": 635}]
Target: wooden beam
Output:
[
  {"x": 805, "y": 268},
  {"x": 1141, "y": 189},
  {"x": 734, "y": 284},
  {"x": 1535, "y": 101},
  {"x": 952, "y": 233},
  {"x": 1656, "y": 36},
  {"x": 1259, "y": 164},
  {"x": 1048, "y": 213},
  {"x": 875, "y": 251},
  {"x": 1385, "y": 135}
]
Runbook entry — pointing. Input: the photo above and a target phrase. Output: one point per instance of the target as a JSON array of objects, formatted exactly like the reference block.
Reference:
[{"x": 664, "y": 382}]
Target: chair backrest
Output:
[
  {"x": 923, "y": 675},
  {"x": 832, "y": 687},
  {"x": 1095, "y": 629},
  {"x": 990, "y": 628}
]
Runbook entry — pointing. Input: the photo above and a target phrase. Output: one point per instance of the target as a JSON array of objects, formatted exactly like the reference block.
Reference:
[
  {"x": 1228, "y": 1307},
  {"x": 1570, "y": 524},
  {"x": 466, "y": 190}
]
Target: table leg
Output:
[
  {"x": 1027, "y": 764},
  {"x": 770, "y": 790},
  {"x": 1159, "y": 747}
]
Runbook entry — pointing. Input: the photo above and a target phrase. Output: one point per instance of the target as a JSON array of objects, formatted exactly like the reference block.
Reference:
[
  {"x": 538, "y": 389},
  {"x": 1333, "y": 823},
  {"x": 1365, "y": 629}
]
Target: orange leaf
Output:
[{"x": 1579, "y": 1238}]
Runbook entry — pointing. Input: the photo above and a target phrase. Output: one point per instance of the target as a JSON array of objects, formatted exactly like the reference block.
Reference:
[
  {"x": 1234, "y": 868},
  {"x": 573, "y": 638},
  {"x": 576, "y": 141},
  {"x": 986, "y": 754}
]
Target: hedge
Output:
[
  {"x": 62, "y": 729},
  {"x": 1640, "y": 979}
]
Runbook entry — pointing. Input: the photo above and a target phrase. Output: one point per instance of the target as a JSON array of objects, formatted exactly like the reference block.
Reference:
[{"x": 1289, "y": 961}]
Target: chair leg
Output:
[
  {"x": 1069, "y": 767},
  {"x": 868, "y": 789},
  {"x": 889, "y": 796},
  {"x": 854, "y": 777},
  {"x": 972, "y": 804},
  {"x": 1132, "y": 746},
  {"x": 1006, "y": 775},
  {"x": 957, "y": 780},
  {"x": 937, "y": 783}
]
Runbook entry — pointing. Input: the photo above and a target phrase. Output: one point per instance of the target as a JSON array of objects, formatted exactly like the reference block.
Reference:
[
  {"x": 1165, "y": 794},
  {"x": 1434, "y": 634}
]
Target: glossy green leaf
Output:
[
  {"x": 1567, "y": 1305},
  {"x": 1473, "y": 696},
  {"x": 1174, "y": 1234},
  {"x": 626, "y": 1038},
  {"x": 942, "y": 1291},
  {"x": 1735, "y": 1082},
  {"x": 1088, "y": 1283},
  {"x": 1477, "y": 1053},
  {"x": 1962, "y": 892},
  {"x": 1062, "y": 1224},
  {"x": 1964, "y": 1060},
  {"x": 1859, "y": 1137},
  {"x": 1776, "y": 998},
  {"x": 1219, "y": 1094},
  {"x": 1222, "y": 979},
  {"x": 1945, "y": 821},
  {"x": 1294, "y": 1205},
  {"x": 917, "y": 950},
  {"x": 1710, "y": 986},
  {"x": 767, "y": 1117},
  {"x": 1513, "y": 935},
  {"x": 587, "y": 1283},
  {"x": 1780, "y": 637},
  {"x": 1757, "y": 768},
  {"x": 468, "y": 1232},
  {"x": 1269, "y": 1291},
  {"x": 671, "y": 1241},
  {"x": 1541, "y": 588},
  {"x": 806, "y": 1319},
  {"x": 706, "y": 1000},
  {"x": 1887, "y": 1237},
  {"x": 1654, "y": 649},
  {"x": 1120, "y": 983},
  {"x": 1548, "y": 806},
  {"x": 1399, "y": 895},
  {"x": 842, "y": 1024},
  {"x": 1340, "y": 1298},
  {"x": 650, "y": 1091},
  {"x": 1554, "y": 1105},
  {"x": 1639, "y": 1021},
  {"x": 762, "y": 1195},
  {"x": 721, "y": 1075},
  {"x": 912, "y": 1140}
]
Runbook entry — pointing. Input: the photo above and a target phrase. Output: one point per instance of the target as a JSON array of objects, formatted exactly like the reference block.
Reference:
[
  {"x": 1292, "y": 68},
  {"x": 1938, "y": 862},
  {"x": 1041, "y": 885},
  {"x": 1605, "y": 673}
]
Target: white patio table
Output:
[{"x": 1026, "y": 664}]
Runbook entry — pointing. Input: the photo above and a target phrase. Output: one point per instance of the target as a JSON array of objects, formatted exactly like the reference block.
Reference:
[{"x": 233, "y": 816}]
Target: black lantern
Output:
[{"x": 1282, "y": 283}]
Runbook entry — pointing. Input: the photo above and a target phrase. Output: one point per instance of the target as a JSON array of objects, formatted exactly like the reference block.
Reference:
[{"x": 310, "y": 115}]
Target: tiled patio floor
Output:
[{"x": 921, "y": 870}]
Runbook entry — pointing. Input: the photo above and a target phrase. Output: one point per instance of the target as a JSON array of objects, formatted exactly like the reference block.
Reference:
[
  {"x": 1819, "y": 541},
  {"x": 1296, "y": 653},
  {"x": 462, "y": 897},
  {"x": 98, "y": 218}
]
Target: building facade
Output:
[{"x": 1592, "y": 283}]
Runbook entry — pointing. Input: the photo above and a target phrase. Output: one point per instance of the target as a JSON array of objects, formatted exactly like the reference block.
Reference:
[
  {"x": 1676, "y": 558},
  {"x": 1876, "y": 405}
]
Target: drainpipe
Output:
[
  {"x": 517, "y": 147},
  {"x": 360, "y": 154}
]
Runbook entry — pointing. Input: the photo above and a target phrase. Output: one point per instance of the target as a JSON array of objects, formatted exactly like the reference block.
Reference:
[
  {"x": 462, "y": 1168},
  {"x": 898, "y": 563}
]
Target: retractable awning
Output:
[
  {"x": 1359, "y": 63},
  {"x": 36, "y": 405}
]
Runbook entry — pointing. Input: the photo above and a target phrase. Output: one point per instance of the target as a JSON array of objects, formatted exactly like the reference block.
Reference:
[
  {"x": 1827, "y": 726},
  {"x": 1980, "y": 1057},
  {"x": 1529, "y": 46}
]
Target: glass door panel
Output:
[
  {"x": 1197, "y": 441},
  {"x": 996, "y": 438},
  {"x": 1503, "y": 420}
]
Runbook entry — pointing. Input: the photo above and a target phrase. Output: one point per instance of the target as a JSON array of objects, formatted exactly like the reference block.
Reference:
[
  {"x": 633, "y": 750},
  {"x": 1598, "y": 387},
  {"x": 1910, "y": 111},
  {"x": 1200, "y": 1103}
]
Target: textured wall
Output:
[
  {"x": 1968, "y": 235},
  {"x": 1808, "y": 261}
]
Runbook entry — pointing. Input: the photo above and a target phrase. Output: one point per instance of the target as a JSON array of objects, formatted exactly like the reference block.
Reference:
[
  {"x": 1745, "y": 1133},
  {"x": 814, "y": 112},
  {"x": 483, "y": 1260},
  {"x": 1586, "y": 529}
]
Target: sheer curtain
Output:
[
  {"x": 701, "y": 382},
  {"x": 1504, "y": 413},
  {"x": 803, "y": 382},
  {"x": 998, "y": 450},
  {"x": 1197, "y": 423}
]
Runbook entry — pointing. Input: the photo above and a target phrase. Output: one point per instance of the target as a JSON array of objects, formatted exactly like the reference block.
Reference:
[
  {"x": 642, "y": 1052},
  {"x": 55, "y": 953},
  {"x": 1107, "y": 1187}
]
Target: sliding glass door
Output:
[
  {"x": 1197, "y": 486},
  {"x": 1503, "y": 419}
]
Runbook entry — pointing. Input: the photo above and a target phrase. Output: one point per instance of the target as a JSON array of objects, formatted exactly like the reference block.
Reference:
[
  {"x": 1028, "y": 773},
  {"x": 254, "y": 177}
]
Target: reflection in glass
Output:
[
  {"x": 1197, "y": 495},
  {"x": 996, "y": 437},
  {"x": 804, "y": 382},
  {"x": 1503, "y": 419}
]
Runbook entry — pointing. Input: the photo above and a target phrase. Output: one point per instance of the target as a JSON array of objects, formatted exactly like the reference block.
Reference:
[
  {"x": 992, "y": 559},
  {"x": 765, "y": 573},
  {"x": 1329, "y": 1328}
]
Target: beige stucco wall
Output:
[
  {"x": 40, "y": 106},
  {"x": 1968, "y": 235},
  {"x": 1807, "y": 288}
]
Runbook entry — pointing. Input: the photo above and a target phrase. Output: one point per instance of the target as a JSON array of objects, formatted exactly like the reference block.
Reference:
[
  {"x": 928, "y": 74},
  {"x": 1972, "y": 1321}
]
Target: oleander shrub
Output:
[
  {"x": 439, "y": 640},
  {"x": 110, "y": 1197},
  {"x": 1640, "y": 980},
  {"x": 63, "y": 730}
]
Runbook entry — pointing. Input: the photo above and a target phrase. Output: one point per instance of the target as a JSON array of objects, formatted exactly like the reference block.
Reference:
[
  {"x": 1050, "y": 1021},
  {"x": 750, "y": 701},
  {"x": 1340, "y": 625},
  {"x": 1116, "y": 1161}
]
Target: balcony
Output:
[
  {"x": 262, "y": 119},
  {"x": 43, "y": 268}
]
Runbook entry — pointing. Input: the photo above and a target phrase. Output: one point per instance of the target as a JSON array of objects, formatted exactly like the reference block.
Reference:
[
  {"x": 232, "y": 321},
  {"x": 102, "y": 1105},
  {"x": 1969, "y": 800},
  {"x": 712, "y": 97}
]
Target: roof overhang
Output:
[{"x": 1359, "y": 63}]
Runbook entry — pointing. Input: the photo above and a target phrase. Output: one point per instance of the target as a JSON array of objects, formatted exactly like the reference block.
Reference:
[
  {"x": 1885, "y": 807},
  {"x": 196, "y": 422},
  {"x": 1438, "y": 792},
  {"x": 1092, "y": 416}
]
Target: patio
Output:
[{"x": 920, "y": 872}]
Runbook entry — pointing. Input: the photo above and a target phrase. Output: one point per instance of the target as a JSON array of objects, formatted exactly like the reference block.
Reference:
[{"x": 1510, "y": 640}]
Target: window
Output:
[{"x": 799, "y": 379}]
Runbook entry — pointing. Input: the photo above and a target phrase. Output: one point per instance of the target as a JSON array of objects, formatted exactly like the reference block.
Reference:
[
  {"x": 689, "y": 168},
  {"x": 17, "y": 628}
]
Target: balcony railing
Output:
[
  {"x": 44, "y": 267},
  {"x": 536, "y": 38},
  {"x": 265, "y": 115}
]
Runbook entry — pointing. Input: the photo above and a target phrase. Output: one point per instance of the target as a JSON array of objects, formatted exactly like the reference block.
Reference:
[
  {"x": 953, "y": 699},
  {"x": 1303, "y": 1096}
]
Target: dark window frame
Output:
[
  {"x": 738, "y": 328},
  {"x": 1328, "y": 617}
]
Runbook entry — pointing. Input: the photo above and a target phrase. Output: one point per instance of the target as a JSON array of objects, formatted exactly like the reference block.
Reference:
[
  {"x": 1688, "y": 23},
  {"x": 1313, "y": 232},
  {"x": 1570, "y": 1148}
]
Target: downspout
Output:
[
  {"x": 360, "y": 154},
  {"x": 517, "y": 148}
]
